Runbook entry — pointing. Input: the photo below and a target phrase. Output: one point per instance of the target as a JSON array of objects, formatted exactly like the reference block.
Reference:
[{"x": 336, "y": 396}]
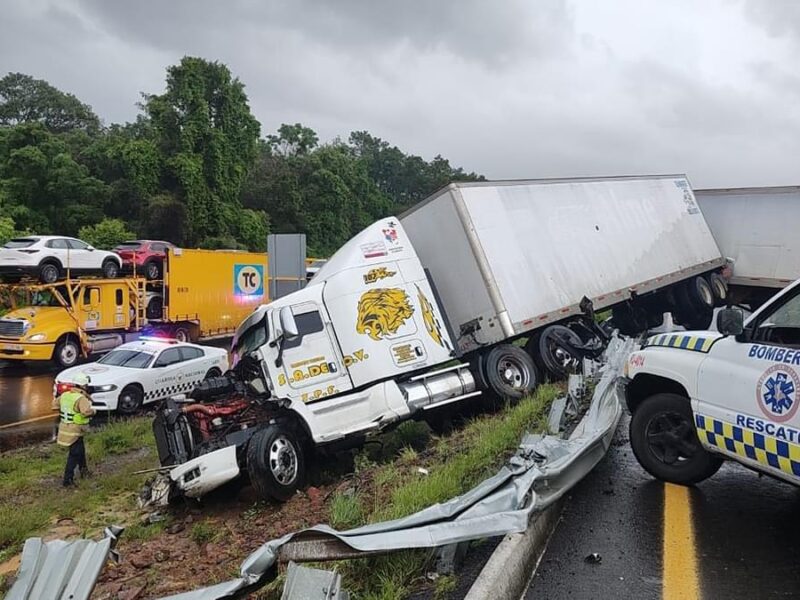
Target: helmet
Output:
[{"x": 81, "y": 379}]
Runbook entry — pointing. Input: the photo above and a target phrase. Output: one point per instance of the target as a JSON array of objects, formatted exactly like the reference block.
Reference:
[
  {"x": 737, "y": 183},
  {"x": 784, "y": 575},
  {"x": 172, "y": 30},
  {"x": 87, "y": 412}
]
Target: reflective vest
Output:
[{"x": 67, "y": 403}]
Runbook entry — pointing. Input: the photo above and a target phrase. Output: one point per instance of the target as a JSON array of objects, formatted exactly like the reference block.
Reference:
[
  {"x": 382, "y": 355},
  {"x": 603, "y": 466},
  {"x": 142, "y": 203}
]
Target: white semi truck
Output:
[
  {"x": 423, "y": 311},
  {"x": 755, "y": 230}
]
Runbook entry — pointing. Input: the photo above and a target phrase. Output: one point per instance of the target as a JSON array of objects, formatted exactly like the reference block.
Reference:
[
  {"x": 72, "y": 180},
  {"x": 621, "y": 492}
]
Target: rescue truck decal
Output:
[
  {"x": 695, "y": 343},
  {"x": 764, "y": 447}
]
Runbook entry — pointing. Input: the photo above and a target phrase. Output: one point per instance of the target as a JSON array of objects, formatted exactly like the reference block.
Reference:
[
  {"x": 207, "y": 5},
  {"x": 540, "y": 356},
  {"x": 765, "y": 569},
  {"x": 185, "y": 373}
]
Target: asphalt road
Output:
[
  {"x": 736, "y": 535},
  {"x": 26, "y": 394}
]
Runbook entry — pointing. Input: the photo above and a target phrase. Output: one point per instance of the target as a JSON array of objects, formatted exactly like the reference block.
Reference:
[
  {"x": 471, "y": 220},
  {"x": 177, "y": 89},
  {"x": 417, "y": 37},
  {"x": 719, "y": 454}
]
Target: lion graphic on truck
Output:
[{"x": 382, "y": 311}]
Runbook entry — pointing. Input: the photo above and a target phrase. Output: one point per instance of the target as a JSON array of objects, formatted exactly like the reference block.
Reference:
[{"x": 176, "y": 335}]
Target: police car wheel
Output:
[
  {"x": 275, "y": 462},
  {"x": 130, "y": 400},
  {"x": 664, "y": 441}
]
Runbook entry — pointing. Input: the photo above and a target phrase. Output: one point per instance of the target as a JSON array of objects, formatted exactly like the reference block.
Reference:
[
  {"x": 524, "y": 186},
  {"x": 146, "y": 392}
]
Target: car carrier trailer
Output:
[
  {"x": 419, "y": 312},
  {"x": 204, "y": 294}
]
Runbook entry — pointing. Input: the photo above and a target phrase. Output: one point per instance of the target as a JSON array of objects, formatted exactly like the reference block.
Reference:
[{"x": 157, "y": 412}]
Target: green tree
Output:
[
  {"x": 45, "y": 188},
  {"x": 204, "y": 129},
  {"x": 106, "y": 234},
  {"x": 24, "y": 99},
  {"x": 292, "y": 140},
  {"x": 7, "y": 229},
  {"x": 165, "y": 219}
]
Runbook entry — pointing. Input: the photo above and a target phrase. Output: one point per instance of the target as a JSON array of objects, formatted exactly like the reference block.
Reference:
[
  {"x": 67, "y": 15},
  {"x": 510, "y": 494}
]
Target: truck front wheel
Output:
[
  {"x": 67, "y": 352},
  {"x": 275, "y": 462},
  {"x": 664, "y": 441},
  {"x": 510, "y": 372}
]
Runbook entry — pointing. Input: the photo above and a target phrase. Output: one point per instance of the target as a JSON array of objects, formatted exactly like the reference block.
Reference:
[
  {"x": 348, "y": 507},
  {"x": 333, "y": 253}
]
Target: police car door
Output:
[
  {"x": 312, "y": 366},
  {"x": 168, "y": 380},
  {"x": 748, "y": 390}
]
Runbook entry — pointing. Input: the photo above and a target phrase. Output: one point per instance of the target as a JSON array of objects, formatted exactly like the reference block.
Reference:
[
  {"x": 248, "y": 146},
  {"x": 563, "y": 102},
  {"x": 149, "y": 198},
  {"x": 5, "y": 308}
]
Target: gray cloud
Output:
[{"x": 510, "y": 89}]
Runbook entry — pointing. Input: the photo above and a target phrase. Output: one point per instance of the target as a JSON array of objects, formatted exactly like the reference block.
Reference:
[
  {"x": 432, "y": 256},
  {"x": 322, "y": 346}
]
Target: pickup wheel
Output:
[
  {"x": 130, "y": 400},
  {"x": 275, "y": 462},
  {"x": 665, "y": 443},
  {"x": 510, "y": 372}
]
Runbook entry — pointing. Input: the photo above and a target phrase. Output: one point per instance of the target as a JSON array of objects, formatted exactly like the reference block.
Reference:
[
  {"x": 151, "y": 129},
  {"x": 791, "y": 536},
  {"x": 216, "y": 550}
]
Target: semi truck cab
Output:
[{"x": 700, "y": 397}]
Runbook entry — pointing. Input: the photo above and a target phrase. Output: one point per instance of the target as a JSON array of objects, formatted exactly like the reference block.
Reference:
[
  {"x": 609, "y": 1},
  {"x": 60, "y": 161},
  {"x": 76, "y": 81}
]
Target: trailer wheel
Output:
[
  {"x": 664, "y": 441},
  {"x": 510, "y": 372},
  {"x": 275, "y": 462},
  {"x": 720, "y": 289},
  {"x": 67, "y": 352},
  {"x": 130, "y": 400},
  {"x": 557, "y": 349},
  {"x": 699, "y": 294},
  {"x": 182, "y": 334}
]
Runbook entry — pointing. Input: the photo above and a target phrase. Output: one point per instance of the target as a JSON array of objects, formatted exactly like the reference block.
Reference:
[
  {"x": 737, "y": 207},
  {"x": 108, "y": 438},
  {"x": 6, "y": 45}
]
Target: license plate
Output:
[{"x": 12, "y": 347}]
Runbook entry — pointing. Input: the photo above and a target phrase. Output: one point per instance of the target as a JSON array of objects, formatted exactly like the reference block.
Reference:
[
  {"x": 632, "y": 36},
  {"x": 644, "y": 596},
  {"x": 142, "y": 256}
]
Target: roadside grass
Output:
[
  {"x": 454, "y": 464},
  {"x": 31, "y": 496}
]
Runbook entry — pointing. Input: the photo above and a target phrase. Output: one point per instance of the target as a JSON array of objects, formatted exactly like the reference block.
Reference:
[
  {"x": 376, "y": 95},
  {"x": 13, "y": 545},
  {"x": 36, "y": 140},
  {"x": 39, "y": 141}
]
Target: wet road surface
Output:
[
  {"x": 26, "y": 395},
  {"x": 736, "y": 535}
]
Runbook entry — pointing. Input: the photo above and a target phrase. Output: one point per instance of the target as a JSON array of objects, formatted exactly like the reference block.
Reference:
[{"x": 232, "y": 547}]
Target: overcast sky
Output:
[{"x": 511, "y": 88}]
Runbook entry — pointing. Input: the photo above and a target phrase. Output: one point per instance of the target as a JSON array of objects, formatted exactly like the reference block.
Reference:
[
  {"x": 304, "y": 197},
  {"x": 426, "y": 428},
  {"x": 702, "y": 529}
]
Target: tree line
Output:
[{"x": 193, "y": 169}]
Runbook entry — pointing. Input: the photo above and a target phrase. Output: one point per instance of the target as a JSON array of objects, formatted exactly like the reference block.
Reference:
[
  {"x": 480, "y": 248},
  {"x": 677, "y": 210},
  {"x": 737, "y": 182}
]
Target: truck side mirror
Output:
[
  {"x": 288, "y": 324},
  {"x": 730, "y": 321}
]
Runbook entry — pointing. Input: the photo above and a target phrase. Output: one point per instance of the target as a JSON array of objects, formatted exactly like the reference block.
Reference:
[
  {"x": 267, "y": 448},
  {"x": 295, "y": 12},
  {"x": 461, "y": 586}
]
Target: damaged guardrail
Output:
[{"x": 542, "y": 471}]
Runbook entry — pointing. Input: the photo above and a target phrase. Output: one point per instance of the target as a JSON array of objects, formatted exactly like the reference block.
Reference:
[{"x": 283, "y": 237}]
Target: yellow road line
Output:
[
  {"x": 18, "y": 423},
  {"x": 680, "y": 580}
]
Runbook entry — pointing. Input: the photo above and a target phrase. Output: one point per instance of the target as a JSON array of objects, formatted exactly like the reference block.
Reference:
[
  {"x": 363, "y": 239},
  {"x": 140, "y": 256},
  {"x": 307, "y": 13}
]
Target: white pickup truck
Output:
[{"x": 698, "y": 398}]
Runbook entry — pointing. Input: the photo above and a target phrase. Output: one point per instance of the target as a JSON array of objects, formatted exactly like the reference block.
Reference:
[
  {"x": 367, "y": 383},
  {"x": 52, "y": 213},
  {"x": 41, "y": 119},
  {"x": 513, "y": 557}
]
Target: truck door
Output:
[
  {"x": 748, "y": 389},
  {"x": 312, "y": 365},
  {"x": 90, "y": 308}
]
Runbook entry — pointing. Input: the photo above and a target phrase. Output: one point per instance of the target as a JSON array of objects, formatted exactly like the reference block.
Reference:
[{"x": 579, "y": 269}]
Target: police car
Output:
[
  {"x": 700, "y": 397},
  {"x": 147, "y": 370}
]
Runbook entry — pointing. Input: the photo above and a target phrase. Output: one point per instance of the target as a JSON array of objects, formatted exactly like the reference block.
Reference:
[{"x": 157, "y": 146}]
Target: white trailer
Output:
[
  {"x": 416, "y": 313},
  {"x": 756, "y": 230}
]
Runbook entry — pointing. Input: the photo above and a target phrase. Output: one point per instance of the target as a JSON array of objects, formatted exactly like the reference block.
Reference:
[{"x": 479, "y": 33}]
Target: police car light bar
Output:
[{"x": 155, "y": 338}]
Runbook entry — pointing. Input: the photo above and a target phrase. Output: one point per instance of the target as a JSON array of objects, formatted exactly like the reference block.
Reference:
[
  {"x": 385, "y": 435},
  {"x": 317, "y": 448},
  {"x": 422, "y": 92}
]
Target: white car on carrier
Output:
[
  {"x": 49, "y": 257},
  {"x": 146, "y": 371},
  {"x": 700, "y": 397}
]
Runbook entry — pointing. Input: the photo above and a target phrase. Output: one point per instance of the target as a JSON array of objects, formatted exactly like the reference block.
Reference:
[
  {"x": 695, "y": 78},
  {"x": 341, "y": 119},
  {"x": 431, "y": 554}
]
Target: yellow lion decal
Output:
[
  {"x": 431, "y": 322},
  {"x": 382, "y": 312}
]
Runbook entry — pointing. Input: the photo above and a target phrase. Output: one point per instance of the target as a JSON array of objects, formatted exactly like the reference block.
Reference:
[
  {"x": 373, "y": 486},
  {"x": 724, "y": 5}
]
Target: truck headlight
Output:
[
  {"x": 38, "y": 337},
  {"x": 104, "y": 388}
]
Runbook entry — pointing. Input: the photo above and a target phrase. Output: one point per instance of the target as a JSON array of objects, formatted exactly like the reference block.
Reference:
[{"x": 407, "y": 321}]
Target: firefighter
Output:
[{"x": 76, "y": 412}]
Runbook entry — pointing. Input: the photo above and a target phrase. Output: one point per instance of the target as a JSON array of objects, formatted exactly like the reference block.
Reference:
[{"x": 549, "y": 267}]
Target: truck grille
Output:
[{"x": 11, "y": 328}]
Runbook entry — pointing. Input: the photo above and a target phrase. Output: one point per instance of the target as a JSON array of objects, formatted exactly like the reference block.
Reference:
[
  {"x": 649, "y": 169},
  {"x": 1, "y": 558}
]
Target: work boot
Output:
[
  {"x": 85, "y": 473},
  {"x": 69, "y": 484}
]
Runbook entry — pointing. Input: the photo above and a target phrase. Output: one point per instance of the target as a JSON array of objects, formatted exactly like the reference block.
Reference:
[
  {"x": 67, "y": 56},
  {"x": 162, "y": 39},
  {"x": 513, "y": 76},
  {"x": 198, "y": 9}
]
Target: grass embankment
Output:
[
  {"x": 454, "y": 463},
  {"x": 32, "y": 500}
]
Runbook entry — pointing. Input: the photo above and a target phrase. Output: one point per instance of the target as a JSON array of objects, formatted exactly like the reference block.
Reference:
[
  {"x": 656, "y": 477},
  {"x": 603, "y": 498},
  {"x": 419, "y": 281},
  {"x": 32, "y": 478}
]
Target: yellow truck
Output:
[{"x": 204, "y": 294}]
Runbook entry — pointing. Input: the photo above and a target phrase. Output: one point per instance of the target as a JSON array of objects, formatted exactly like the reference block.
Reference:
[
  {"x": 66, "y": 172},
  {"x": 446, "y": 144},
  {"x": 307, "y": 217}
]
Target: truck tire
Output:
[
  {"x": 130, "y": 400},
  {"x": 151, "y": 270},
  {"x": 67, "y": 352},
  {"x": 182, "y": 334},
  {"x": 275, "y": 462},
  {"x": 510, "y": 372},
  {"x": 49, "y": 272},
  {"x": 699, "y": 294},
  {"x": 557, "y": 350},
  {"x": 665, "y": 443},
  {"x": 720, "y": 288},
  {"x": 110, "y": 268}
]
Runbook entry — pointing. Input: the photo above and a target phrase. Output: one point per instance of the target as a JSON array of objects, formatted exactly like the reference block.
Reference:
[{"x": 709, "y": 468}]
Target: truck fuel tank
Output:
[{"x": 439, "y": 387}]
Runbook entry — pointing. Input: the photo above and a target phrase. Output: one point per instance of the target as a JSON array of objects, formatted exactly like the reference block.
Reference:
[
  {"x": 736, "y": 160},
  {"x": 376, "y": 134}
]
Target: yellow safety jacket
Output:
[{"x": 73, "y": 422}]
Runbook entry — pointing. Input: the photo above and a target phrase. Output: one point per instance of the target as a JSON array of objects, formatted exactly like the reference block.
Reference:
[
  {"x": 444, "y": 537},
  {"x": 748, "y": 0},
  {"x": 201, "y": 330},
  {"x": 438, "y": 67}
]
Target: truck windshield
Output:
[
  {"x": 127, "y": 358},
  {"x": 250, "y": 336}
]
